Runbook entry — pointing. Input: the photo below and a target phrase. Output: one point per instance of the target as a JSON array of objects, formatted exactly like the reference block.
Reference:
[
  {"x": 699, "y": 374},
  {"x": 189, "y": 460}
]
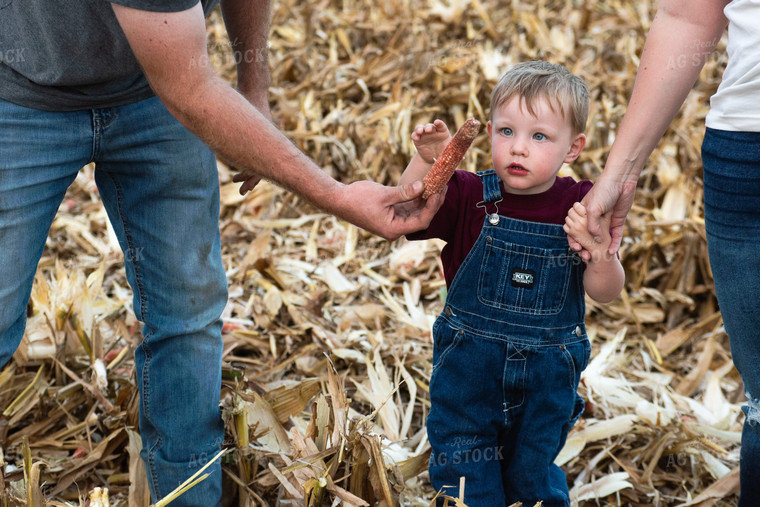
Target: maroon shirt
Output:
[{"x": 460, "y": 220}]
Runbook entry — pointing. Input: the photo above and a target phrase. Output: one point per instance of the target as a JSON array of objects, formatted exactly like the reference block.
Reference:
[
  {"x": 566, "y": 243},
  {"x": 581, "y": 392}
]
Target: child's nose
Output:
[{"x": 519, "y": 147}]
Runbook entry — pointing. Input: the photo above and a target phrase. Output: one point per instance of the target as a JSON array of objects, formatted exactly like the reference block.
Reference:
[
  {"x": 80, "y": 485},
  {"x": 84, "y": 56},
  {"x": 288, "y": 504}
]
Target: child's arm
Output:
[
  {"x": 604, "y": 276},
  {"x": 430, "y": 140}
]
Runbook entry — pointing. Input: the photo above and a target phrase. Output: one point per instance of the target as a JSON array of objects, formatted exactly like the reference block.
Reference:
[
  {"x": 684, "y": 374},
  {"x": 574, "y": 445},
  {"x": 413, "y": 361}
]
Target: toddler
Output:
[{"x": 510, "y": 344}]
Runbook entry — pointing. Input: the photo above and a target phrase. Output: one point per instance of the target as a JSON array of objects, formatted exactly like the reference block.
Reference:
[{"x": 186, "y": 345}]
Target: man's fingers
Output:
[
  {"x": 431, "y": 206},
  {"x": 247, "y": 187},
  {"x": 409, "y": 191},
  {"x": 249, "y": 180},
  {"x": 244, "y": 176}
]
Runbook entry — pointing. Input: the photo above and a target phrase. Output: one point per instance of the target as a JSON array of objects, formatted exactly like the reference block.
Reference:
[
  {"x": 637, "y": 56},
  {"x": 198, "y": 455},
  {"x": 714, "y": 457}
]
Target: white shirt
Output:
[{"x": 736, "y": 104}]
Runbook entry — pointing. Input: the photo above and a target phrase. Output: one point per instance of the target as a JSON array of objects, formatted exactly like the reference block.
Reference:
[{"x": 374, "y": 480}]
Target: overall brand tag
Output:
[{"x": 523, "y": 278}]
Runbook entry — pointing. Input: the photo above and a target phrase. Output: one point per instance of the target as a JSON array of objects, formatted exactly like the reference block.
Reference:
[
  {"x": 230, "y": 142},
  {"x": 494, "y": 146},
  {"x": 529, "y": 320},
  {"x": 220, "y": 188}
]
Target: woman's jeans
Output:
[
  {"x": 732, "y": 217},
  {"x": 159, "y": 185}
]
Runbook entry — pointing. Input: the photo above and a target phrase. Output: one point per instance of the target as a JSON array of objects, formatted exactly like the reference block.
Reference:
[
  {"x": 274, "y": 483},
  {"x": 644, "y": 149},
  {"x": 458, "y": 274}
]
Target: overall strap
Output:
[{"x": 491, "y": 189}]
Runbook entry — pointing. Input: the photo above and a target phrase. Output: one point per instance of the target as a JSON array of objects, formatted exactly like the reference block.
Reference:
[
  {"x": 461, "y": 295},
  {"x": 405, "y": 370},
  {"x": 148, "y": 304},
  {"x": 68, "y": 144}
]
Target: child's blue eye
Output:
[
  {"x": 538, "y": 136},
  {"x": 506, "y": 131}
]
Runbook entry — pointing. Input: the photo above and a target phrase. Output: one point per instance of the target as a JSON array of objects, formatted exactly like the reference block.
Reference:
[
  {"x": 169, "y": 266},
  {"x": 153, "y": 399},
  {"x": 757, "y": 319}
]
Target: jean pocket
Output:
[
  {"x": 445, "y": 339},
  {"x": 525, "y": 279},
  {"x": 577, "y": 356}
]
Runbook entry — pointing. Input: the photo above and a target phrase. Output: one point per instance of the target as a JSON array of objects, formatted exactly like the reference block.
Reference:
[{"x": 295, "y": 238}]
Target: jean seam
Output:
[
  {"x": 130, "y": 248},
  {"x": 508, "y": 409},
  {"x": 144, "y": 394},
  {"x": 145, "y": 401}
]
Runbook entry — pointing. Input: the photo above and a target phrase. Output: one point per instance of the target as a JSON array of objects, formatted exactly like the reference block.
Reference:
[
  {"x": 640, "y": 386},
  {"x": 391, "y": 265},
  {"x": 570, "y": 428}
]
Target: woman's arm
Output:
[{"x": 683, "y": 35}]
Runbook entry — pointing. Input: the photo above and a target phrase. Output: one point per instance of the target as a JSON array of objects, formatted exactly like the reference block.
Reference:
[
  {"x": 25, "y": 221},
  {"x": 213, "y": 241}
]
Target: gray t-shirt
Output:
[{"x": 59, "y": 55}]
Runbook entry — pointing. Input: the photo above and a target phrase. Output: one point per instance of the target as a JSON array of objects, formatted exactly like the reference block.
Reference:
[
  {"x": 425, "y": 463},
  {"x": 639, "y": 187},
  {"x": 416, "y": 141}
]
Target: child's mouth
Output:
[{"x": 517, "y": 170}]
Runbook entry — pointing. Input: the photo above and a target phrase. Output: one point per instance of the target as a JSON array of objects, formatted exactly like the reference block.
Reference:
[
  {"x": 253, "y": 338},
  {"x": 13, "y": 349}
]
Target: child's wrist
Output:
[{"x": 600, "y": 255}]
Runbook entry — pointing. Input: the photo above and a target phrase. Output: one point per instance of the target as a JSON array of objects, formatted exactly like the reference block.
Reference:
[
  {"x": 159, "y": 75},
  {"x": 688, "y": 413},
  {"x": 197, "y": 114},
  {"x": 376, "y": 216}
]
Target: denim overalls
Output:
[{"x": 509, "y": 349}]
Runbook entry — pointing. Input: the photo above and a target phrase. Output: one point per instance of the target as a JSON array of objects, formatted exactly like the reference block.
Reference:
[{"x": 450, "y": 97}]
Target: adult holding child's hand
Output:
[
  {"x": 608, "y": 197},
  {"x": 683, "y": 35}
]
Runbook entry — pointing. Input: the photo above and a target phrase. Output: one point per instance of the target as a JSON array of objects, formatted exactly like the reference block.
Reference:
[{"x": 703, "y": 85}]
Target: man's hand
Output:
[
  {"x": 249, "y": 179},
  {"x": 391, "y": 212}
]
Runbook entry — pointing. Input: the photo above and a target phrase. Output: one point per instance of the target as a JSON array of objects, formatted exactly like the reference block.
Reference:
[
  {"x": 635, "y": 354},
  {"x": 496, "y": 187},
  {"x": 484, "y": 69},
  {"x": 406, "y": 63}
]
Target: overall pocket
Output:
[
  {"x": 577, "y": 356},
  {"x": 445, "y": 338},
  {"x": 524, "y": 279}
]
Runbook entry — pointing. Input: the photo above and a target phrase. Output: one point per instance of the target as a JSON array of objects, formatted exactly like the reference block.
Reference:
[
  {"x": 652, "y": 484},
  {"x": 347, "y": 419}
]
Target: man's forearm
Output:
[
  {"x": 247, "y": 23},
  {"x": 244, "y": 137}
]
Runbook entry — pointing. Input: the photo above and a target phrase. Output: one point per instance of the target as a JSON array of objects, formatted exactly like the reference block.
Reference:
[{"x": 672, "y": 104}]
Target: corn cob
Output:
[{"x": 444, "y": 166}]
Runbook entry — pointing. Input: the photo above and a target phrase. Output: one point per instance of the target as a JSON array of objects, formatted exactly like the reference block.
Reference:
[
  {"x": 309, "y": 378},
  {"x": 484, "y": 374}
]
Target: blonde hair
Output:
[{"x": 562, "y": 89}]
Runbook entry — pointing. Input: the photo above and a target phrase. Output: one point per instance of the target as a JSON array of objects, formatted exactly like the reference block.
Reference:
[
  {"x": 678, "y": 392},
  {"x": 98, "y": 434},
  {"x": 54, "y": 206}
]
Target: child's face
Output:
[{"x": 528, "y": 151}]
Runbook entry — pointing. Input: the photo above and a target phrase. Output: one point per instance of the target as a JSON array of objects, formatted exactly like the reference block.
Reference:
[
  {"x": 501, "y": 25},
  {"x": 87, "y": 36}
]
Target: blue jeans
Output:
[
  {"x": 732, "y": 218},
  {"x": 159, "y": 185},
  {"x": 509, "y": 348}
]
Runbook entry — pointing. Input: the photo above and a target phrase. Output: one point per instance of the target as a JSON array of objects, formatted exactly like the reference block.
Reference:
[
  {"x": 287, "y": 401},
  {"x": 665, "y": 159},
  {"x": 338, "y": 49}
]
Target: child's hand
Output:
[
  {"x": 430, "y": 140},
  {"x": 576, "y": 226}
]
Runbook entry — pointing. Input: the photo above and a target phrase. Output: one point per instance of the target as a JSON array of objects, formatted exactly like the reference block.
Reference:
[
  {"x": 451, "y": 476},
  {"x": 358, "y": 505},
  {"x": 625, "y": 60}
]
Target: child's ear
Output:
[
  {"x": 488, "y": 128},
  {"x": 575, "y": 148}
]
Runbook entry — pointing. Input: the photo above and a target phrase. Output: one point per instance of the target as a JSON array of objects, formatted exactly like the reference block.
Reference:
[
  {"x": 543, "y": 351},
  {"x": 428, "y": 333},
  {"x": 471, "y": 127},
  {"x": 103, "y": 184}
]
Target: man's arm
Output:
[
  {"x": 171, "y": 47},
  {"x": 247, "y": 23},
  {"x": 683, "y": 35}
]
